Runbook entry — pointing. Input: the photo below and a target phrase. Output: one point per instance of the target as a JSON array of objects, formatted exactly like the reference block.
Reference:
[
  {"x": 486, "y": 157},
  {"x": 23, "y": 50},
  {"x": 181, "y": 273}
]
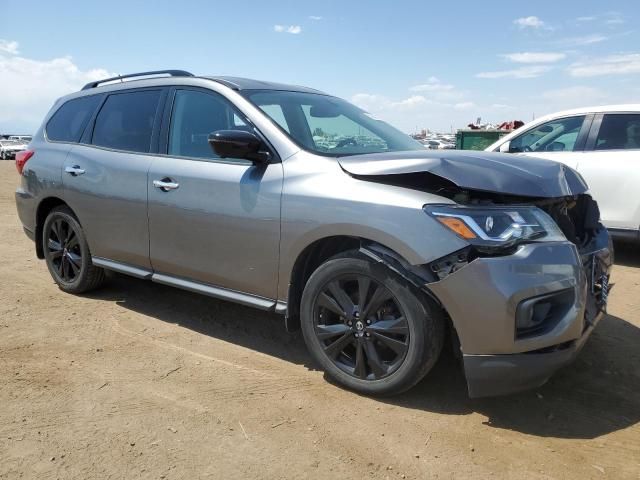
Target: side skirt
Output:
[{"x": 202, "y": 288}]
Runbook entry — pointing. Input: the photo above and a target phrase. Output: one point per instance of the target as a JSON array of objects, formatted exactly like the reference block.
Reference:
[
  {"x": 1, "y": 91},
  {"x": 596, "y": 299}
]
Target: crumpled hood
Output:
[{"x": 475, "y": 170}]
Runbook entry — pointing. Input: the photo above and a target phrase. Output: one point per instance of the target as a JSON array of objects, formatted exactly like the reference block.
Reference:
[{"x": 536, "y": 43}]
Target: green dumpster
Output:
[{"x": 469, "y": 139}]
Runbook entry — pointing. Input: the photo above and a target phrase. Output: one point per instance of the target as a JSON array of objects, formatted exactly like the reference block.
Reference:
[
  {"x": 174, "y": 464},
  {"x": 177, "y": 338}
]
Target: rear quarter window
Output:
[{"x": 70, "y": 120}]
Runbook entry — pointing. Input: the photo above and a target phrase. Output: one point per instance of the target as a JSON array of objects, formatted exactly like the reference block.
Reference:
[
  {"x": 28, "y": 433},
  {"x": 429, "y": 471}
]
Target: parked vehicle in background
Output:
[
  {"x": 9, "y": 148},
  {"x": 603, "y": 144},
  {"x": 433, "y": 144},
  {"x": 291, "y": 200},
  {"x": 21, "y": 138}
]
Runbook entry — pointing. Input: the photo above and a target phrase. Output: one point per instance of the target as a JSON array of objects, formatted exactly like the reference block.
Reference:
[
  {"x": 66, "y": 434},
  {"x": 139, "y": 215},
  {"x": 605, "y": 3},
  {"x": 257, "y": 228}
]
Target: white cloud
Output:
[
  {"x": 531, "y": 71},
  {"x": 529, "y": 22},
  {"x": 431, "y": 87},
  {"x": 378, "y": 103},
  {"x": 315, "y": 17},
  {"x": 464, "y": 105},
  {"x": 10, "y": 47},
  {"x": 623, "y": 64},
  {"x": 410, "y": 103},
  {"x": 576, "y": 96},
  {"x": 501, "y": 106},
  {"x": 584, "y": 40},
  {"x": 437, "y": 90},
  {"x": 586, "y": 19},
  {"x": 614, "y": 18},
  {"x": 535, "y": 57},
  {"x": 294, "y": 29},
  {"x": 34, "y": 85}
]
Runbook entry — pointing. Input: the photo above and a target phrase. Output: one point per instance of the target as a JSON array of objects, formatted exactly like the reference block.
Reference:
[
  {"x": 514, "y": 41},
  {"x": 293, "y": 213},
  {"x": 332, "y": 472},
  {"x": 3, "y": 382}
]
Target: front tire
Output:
[
  {"x": 369, "y": 329},
  {"x": 67, "y": 253}
]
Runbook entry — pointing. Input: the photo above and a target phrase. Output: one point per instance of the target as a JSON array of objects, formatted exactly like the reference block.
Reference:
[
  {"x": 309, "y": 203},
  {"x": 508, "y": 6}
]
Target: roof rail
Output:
[{"x": 172, "y": 73}]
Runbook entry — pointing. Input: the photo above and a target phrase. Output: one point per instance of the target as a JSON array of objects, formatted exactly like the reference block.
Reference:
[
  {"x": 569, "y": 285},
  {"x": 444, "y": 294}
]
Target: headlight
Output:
[{"x": 501, "y": 226}]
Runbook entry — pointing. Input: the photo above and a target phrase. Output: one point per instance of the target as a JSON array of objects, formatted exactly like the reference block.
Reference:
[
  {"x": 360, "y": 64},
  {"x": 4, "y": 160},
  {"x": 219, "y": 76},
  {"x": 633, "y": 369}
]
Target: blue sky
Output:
[{"x": 416, "y": 64}]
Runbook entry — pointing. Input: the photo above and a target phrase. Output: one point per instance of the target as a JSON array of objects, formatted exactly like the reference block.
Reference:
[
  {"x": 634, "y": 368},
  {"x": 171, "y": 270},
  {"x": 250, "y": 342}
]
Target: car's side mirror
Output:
[
  {"x": 504, "y": 148},
  {"x": 238, "y": 144}
]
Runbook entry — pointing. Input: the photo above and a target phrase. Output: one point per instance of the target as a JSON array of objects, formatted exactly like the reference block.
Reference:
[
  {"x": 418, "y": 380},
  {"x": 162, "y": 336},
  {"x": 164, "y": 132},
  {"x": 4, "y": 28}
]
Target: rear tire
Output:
[
  {"x": 67, "y": 253},
  {"x": 390, "y": 339}
]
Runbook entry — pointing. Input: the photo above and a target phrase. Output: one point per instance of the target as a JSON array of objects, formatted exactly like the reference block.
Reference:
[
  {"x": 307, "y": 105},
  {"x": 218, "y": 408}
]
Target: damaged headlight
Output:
[{"x": 502, "y": 226}]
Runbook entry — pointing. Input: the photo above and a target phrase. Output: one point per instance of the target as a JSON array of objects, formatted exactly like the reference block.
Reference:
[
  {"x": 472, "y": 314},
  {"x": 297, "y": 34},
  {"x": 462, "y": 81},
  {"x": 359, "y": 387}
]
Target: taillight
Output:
[{"x": 21, "y": 159}]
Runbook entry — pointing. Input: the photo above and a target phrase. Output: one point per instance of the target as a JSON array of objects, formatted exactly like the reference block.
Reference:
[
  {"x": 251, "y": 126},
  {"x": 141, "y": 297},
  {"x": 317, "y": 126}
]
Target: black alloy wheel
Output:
[
  {"x": 367, "y": 327},
  {"x": 64, "y": 250},
  {"x": 361, "y": 327},
  {"x": 67, "y": 252}
]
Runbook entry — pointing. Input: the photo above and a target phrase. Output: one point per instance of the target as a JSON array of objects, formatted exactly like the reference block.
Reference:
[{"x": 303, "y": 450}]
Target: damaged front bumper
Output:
[{"x": 486, "y": 297}]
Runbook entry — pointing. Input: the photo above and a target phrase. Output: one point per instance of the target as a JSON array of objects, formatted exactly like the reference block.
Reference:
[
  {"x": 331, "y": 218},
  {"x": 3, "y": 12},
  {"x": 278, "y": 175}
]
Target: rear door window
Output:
[
  {"x": 70, "y": 120},
  {"x": 559, "y": 135},
  {"x": 619, "y": 131},
  {"x": 125, "y": 121}
]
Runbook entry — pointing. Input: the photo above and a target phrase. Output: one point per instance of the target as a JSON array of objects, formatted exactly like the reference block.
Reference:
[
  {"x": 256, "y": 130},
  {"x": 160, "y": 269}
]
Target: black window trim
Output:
[
  {"x": 87, "y": 136},
  {"x": 163, "y": 146},
  {"x": 583, "y": 134},
  {"x": 593, "y": 133}
]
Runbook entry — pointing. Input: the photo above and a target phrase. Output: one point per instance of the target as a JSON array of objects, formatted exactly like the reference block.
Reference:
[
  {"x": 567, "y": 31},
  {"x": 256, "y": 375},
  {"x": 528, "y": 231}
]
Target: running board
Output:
[
  {"x": 210, "y": 290},
  {"x": 216, "y": 292},
  {"x": 121, "y": 268}
]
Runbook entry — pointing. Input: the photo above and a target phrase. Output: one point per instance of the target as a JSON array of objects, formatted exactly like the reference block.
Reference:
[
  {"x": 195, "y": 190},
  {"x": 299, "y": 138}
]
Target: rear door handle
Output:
[
  {"x": 165, "y": 184},
  {"x": 74, "y": 171}
]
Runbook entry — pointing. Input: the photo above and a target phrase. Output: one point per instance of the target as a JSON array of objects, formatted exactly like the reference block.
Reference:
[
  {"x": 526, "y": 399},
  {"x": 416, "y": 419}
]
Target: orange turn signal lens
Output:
[{"x": 458, "y": 226}]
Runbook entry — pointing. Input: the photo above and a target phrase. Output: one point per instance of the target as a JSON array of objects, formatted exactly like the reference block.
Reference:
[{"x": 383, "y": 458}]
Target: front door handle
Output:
[
  {"x": 165, "y": 184},
  {"x": 74, "y": 171}
]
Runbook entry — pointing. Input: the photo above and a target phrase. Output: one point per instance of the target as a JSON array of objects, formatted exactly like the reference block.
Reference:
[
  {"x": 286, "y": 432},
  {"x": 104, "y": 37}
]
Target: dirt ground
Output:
[{"x": 139, "y": 380}]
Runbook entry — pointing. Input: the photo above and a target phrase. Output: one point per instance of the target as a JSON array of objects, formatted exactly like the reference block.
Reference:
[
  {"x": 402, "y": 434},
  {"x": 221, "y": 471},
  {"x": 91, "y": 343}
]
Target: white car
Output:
[
  {"x": 9, "y": 148},
  {"x": 438, "y": 145},
  {"x": 21, "y": 138},
  {"x": 603, "y": 144}
]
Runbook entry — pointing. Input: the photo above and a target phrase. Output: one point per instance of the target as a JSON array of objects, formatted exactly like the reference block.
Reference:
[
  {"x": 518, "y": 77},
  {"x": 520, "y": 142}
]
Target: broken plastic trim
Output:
[{"x": 418, "y": 275}]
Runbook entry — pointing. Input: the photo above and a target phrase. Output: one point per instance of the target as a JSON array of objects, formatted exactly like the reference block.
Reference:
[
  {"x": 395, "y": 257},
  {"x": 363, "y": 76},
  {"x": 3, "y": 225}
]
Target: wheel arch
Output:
[
  {"x": 44, "y": 208},
  {"x": 319, "y": 251}
]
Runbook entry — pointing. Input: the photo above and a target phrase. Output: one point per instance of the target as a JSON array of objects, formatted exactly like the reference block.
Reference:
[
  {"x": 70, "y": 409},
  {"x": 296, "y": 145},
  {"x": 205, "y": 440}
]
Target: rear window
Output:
[
  {"x": 619, "y": 132},
  {"x": 125, "y": 121},
  {"x": 68, "y": 123}
]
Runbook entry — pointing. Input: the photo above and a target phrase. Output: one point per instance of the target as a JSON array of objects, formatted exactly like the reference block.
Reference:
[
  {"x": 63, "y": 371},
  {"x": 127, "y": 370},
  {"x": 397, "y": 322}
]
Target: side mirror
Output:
[
  {"x": 504, "y": 148},
  {"x": 238, "y": 144}
]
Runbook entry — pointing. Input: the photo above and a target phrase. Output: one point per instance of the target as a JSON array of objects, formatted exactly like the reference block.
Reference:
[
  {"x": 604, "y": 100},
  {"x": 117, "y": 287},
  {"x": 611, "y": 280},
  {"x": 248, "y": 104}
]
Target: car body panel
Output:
[
  {"x": 320, "y": 201},
  {"x": 486, "y": 171},
  {"x": 500, "y": 284},
  {"x": 221, "y": 212},
  {"x": 41, "y": 179},
  {"x": 613, "y": 181},
  {"x": 110, "y": 200}
]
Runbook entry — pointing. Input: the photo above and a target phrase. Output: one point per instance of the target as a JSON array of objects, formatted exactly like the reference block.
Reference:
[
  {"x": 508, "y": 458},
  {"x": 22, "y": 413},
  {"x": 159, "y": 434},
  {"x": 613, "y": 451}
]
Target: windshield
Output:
[{"x": 328, "y": 125}]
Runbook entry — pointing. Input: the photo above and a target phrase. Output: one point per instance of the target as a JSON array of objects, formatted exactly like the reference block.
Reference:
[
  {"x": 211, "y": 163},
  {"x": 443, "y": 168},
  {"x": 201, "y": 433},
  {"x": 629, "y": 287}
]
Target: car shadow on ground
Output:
[
  {"x": 598, "y": 394},
  {"x": 626, "y": 254}
]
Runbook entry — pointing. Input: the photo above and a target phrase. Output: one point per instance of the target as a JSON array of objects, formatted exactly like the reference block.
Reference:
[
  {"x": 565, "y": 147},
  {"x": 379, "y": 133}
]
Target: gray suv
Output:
[{"x": 291, "y": 200}]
